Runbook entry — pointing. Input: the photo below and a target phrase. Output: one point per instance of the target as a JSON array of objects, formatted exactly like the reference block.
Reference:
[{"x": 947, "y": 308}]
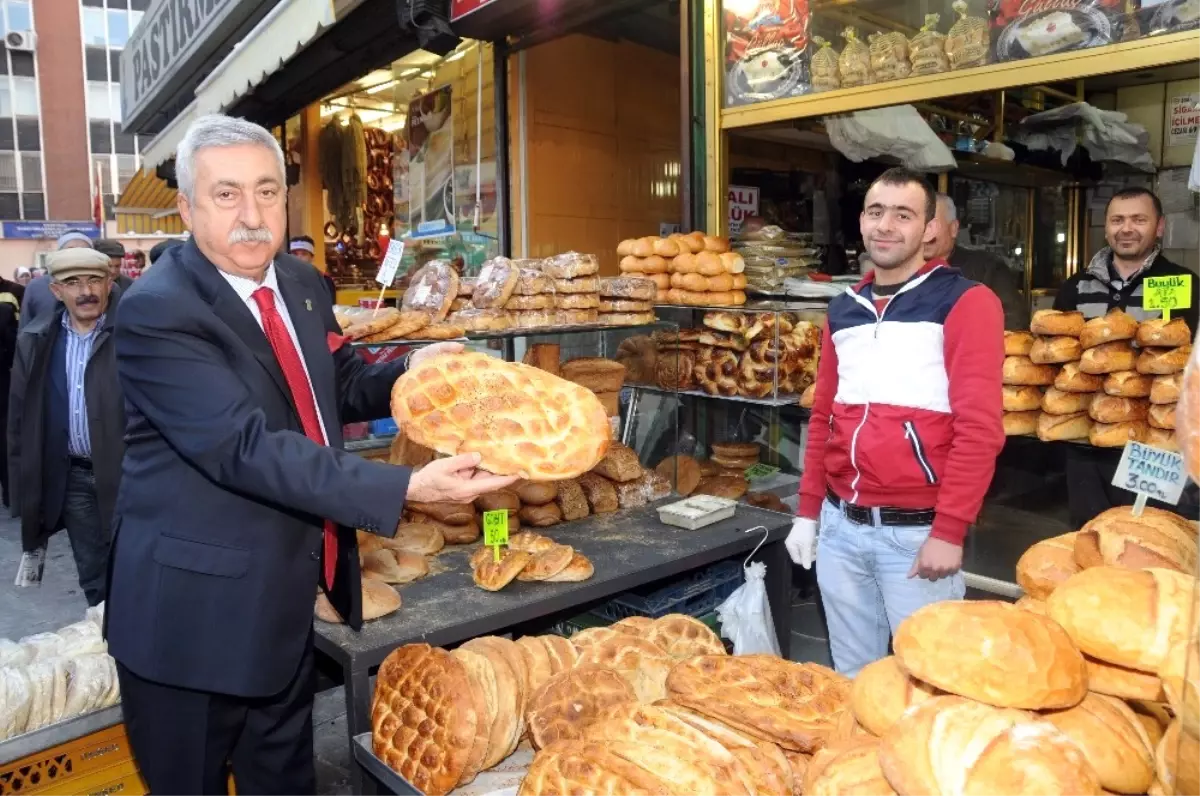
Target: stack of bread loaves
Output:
[
  {"x": 694, "y": 269},
  {"x": 576, "y": 288},
  {"x": 1165, "y": 348},
  {"x": 627, "y": 300}
]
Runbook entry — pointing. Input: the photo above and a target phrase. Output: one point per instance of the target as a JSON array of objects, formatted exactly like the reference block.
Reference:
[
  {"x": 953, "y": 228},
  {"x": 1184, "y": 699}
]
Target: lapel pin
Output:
[{"x": 308, "y": 304}]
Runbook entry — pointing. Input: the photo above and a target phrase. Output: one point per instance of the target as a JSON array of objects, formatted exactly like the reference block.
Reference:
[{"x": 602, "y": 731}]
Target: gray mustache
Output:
[{"x": 247, "y": 235}]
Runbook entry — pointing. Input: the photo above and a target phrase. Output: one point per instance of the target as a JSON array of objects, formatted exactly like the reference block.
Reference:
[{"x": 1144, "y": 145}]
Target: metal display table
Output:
[{"x": 630, "y": 548}]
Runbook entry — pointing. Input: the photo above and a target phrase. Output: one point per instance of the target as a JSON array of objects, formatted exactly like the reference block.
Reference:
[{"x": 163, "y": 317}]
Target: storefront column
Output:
[{"x": 310, "y": 180}]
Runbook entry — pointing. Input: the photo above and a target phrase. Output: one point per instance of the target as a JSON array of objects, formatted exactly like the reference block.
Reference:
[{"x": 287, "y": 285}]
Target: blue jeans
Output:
[{"x": 862, "y": 571}]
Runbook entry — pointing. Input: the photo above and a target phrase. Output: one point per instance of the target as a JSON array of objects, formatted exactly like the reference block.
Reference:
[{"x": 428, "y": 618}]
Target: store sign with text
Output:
[
  {"x": 1183, "y": 119},
  {"x": 743, "y": 203},
  {"x": 460, "y": 8}
]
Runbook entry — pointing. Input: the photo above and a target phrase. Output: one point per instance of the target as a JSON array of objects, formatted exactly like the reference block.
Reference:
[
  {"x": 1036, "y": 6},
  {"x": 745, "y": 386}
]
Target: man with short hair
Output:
[
  {"x": 238, "y": 503},
  {"x": 39, "y": 298},
  {"x": 66, "y": 420},
  {"x": 908, "y": 408},
  {"x": 303, "y": 248},
  {"x": 115, "y": 251},
  {"x": 1114, "y": 279},
  {"x": 978, "y": 265}
]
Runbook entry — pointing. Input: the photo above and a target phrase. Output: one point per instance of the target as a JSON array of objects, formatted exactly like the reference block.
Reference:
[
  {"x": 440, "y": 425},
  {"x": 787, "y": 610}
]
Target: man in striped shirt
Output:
[
  {"x": 1133, "y": 225},
  {"x": 67, "y": 419}
]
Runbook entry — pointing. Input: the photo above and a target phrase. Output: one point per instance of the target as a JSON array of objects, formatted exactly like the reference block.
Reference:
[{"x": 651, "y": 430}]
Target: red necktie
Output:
[{"x": 302, "y": 396}]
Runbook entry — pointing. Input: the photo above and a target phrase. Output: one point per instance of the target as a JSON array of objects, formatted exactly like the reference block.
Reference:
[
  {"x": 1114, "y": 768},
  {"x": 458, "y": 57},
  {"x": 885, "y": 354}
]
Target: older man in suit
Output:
[{"x": 237, "y": 498}]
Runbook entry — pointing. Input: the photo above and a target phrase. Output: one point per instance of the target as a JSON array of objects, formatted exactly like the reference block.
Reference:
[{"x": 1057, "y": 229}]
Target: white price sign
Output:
[
  {"x": 391, "y": 263},
  {"x": 1151, "y": 473}
]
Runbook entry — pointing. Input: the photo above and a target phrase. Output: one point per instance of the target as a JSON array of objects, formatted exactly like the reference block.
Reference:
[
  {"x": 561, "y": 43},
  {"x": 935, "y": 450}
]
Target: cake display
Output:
[
  {"x": 1035, "y": 29},
  {"x": 766, "y": 51}
]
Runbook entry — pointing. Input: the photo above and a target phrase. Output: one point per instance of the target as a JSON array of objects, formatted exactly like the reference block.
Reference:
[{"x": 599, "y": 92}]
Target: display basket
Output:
[{"x": 695, "y": 594}]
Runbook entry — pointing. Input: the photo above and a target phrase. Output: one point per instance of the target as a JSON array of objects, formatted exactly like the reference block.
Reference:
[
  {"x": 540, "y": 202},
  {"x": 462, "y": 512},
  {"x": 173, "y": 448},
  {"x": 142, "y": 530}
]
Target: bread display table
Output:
[{"x": 629, "y": 549}]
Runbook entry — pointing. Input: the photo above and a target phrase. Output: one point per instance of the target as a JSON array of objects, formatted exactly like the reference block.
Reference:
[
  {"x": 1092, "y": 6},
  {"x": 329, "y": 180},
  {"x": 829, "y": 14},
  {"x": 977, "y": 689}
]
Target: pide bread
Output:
[
  {"x": 1166, "y": 389},
  {"x": 1072, "y": 379},
  {"x": 1108, "y": 358},
  {"x": 576, "y": 766},
  {"x": 1127, "y": 384},
  {"x": 1022, "y": 371},
  {"x": 849, "y": 766},
  {"x": 1110, "y": 409},
  {"x": 1017, "y": 344},
  {"x": 992, "y": 652},
  {"x": 1127, "y": 617},
  {"x": 881, "y": 693},
  {"x": 640, "y": 662},
  {"x": 683, "y": 637},
  {"x": 521, "y": 420},
  {"x": 1057, "y": 323},
  {"x": 1117, "y": 538},
  {"x": 1051, "y": 428},
  {"x": 1055, "y": 350},
  {"x": 1163, "y": 361},
  {"x": 1021, "y": 399},
  {"x": 563, "y": 707},
  {"x": 1116, "y": 325},
  {"x": 1112, "y": 740},
  {"x": 1058, "y": 402},
  {"x": 1047, "y": 564},
  {"x": 1163, "y": 334},
  {"x": 1021, "y": 424}
]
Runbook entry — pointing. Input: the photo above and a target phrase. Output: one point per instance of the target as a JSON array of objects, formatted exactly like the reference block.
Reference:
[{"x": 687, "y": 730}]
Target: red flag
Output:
[{"x": 98, "y": 202}]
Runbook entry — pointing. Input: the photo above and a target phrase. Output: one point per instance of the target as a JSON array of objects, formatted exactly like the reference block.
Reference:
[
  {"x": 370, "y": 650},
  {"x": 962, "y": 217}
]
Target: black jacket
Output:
[
  {"x": 1095, "y": 290},
  {"x": 38, "y": 483},
  {"x": 218, "y": 538}
]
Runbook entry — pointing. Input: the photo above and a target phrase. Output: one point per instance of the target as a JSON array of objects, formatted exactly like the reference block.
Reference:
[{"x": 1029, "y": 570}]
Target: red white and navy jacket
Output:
[{"x": 907, "y": 411}]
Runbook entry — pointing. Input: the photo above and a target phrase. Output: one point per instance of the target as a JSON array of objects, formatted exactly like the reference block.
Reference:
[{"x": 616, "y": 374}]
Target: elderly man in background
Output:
[
  {"x": 66, "y": 421},
  {"x": 238, "y": 502},
  {"x": 978, "y": 265},
  {"x": 303, "y": 248},
  {"x": 23, "y": 276},
  {"x": 115, "y": 251},
  {"x": 39, "y": 299}
]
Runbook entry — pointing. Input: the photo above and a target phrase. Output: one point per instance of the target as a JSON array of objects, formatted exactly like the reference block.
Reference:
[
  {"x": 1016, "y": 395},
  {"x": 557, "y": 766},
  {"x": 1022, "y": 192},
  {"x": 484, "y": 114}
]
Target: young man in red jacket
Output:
[{"x": 905, "y": 429}]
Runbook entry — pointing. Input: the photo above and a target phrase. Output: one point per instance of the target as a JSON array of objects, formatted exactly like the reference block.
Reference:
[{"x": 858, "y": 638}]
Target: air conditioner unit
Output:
[{"x": 21, "y": 40}]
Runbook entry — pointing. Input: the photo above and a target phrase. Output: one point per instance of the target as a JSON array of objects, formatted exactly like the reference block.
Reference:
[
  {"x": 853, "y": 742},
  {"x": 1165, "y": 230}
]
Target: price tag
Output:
[
  {"x": 391, "y": 263},
  {"x": 1151, "y": 473},
  {"x": 495, "y": 530},
  {"x": 1167, "y": 293},
  {"x": 760, "y": 471}
]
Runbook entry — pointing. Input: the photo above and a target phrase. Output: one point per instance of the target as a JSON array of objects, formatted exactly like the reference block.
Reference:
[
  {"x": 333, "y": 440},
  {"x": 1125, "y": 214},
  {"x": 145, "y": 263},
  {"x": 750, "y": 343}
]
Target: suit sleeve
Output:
[
  {"x": 812, "y": 481},
  {"x": 365, "y": 391},
  {"x": 182, "y": 383},
  {"x": 974, "y": 355}
]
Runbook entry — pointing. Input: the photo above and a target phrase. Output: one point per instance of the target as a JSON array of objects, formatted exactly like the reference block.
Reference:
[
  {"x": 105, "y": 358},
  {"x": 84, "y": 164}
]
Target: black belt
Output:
[
  {"x": 79, "y": 461},
  {"x": 888, "y": 515}
]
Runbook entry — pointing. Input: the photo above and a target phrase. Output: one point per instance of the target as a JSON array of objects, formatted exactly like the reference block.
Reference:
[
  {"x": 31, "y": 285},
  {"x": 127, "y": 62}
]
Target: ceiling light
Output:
[{"x": 382, "y": 86}]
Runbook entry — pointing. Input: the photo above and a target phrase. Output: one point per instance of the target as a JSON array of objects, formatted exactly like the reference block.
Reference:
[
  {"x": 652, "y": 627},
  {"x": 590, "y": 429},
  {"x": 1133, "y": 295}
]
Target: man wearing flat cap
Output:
[
  {"x": 66, "y": 420},
  {"x": 39, "y": 299},
  {"x": 115, "y": 251}
]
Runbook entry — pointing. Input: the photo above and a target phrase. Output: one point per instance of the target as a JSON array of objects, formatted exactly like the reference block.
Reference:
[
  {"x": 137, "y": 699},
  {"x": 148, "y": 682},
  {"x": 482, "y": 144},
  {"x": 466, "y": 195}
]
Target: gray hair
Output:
[
  {"x": 951, "y": 211},
  {"x": 216, "y": 130}
]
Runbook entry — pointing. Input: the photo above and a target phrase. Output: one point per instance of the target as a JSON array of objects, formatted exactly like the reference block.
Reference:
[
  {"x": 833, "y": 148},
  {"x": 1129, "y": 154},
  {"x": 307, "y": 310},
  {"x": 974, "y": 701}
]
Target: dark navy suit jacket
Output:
[{"x": 218, "y": 533}]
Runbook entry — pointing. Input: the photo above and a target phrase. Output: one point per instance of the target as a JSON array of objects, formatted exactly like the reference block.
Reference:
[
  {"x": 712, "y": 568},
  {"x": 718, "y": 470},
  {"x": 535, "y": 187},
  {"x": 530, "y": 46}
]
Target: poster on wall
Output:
[
  {"x": 466, "y": 186},
  {"x": 1183, "y": 119},
  {"x": 743, "y": 203},
  {"x": 431, "y": 165}
]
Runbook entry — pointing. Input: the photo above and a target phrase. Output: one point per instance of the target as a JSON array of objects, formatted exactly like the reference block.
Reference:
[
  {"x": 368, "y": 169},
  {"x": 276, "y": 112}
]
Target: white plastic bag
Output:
[{"x": 745, "y": 615}]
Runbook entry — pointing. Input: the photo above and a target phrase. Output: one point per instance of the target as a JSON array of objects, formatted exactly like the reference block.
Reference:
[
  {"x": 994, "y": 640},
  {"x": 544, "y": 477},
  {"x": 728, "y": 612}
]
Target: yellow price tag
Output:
[
  {"x": 1167, "y": 293},
  {"x": 495, "y": 530}
]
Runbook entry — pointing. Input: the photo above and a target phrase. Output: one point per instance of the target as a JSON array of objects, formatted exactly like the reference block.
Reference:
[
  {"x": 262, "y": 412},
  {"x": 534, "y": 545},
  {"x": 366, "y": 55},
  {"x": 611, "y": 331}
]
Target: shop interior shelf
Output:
[
  {"x": 778, "y": 401},
  {"x": 512, "y": 334}
]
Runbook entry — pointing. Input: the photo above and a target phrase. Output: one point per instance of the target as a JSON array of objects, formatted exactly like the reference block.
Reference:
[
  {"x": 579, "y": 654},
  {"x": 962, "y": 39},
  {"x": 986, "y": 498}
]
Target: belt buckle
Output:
[{"x": 859, "y": 515}]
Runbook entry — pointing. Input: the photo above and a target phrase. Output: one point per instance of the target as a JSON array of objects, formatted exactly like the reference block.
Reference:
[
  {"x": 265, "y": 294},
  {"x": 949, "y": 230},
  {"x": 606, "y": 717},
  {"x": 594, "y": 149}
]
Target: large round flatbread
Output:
[
  {"x": 563, "y": 654},
  {"x": 492, "y": 732},
  {"x": 505, "y": 654},
  {"x": 521, "y": 420},
  {"x": 642, "y": 663},
  {"x": 424, "y": 717},
  {"x": 568, "y": 702},
  {"x": 765, "y": 762},
  {"x": 537, "y": 662},
  {"x": 683, "y": 637},
  {"x": 578, "y": 767},
  {"x": 881, "y": 693}
]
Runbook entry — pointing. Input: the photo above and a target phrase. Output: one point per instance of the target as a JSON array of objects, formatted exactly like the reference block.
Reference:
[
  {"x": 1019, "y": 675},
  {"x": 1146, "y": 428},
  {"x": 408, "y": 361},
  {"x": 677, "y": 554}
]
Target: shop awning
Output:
[
  {"x": 283, "y": 32},
  {"x": 147, "y": 207}
]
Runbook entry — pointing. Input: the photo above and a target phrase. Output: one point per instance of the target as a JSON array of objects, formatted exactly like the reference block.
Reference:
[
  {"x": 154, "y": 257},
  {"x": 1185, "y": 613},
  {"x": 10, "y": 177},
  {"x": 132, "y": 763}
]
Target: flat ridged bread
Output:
[
  {"x": 587, "y": 768},
  {"x": 683, "y": 637},
  {"x": 1046, "y": 564},
  {"x": 798, "y": 706},
  {"x": 1112, "y": 740},
  {"x": 521, "y": 420},
  {"x": 537, "y": 662},
  {"x": 563, "y": 654},
  {"x": 993, "y": 652},
  {"x": 1130, "y": 618},
  {"x": 881, "y": 693},
  {"x": 424, "y": 717},
  {"x": 949, "y": 745},
  {"x": 642, "y": 663},
  {"x": 1158, "y": 539},
  {"x": 494, "y": 727},
  {"x": 570, "y": 701},
  {"x": 764, "y": 762}
]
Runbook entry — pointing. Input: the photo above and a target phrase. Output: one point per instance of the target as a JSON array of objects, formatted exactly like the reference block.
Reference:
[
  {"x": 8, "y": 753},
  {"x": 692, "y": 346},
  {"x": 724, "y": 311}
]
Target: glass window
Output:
[
  {"x": 127, "y": 166},
  {"x": 93, "y": 28},
  {"x": 5, "y": 99},
  {"x": 35, "y": 206},
  {"x": 10, "y": 205},
  {"x": 8, "y": 171},
  {"x": 99, "y": 101},
  {"x": 135, "y": 17},
  {"x": 102, "y": 164},
  {"x": 95, "y": 63},
  {"x": 17, "y": 15},
  {"x": 29, "y": 134},
  {"x": 100, "y": 133},
  {"x": 24, "y": 97},
  {"x": 22, "y": 63},
  {"x": 118, "y": 28},
  {"x": 31, "y": 171}
]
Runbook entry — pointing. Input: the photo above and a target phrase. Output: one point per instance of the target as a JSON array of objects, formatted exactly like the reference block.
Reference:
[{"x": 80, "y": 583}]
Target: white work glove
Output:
[{"x": 801, "y": 542}]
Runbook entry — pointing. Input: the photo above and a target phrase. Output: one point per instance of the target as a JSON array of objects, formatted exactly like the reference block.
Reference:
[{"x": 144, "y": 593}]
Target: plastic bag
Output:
[
  {"x": 745, "y": 616},
  {"x": 1187, "y": 416}
]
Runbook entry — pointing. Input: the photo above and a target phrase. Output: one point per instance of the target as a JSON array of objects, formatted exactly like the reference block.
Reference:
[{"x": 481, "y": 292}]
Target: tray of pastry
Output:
[{"x": 503, "y": 780}]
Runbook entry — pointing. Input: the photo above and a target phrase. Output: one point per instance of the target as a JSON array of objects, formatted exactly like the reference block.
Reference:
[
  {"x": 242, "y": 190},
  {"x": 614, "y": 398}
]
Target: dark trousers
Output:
[
  {"x": 1090, "y": 490},
  {"x": 185, "y": 742},
  {"x": 90, "y": 542}
]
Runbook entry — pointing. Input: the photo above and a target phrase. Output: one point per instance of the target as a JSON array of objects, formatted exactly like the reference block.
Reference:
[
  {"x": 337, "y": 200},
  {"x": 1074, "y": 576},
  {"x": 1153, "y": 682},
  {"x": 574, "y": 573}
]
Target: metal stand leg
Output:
[
  {"x": 630, "y": 414},
  {"x": 358, "y": 721}
]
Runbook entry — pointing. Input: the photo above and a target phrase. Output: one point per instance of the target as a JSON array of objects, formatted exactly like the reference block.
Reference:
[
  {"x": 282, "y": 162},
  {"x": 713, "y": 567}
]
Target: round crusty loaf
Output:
[
  {"x": 1059, "y": 402},
  {"x": 845, "y": 767},
  {"x": 1017, "y": 344},
  {"x": 1177, "y": 762},
  {"x": 1180, "y": 674},
  {"x": 951, "y": 745},
  {"x": 1045, "y": 565},
  {"x": 1162, "y": 416},
  {"x": 1022, "y": 371},
  {"x": 881, "y": 693},
  {"x": 1116, "y": 435},
  {"x": 378, "y": 599},
  {"x": 1110, "y": 409},
  {"x": 1055, "y": 350},
  {"x": 1117, "y": 538},
  {"x": 1117, "y": 681},
  {"x": 1108, "y": 358},
  {"x": 1021, "y": 424},
  {"x": 1116, "y": 325},
  {"x": 521, "y": 420},
  {"x": 1051, "y": 428},
  {"x": 1161, "y": 438},
  {"x": 1164, "y": 334},
  {"x": 1166, "y": 389},
  {"x": 992, "y": 652},
  {"x": 1021, "y": 399},
  {"x": 1072, "y": 379},
  {"x": 1163, "y": 361},
  {"x": 1123, "y": 616},
  {"x": 1057, "y": 323},
  {"x": 1112, "y": 740},
  {"x": 1127, "y": 384}
]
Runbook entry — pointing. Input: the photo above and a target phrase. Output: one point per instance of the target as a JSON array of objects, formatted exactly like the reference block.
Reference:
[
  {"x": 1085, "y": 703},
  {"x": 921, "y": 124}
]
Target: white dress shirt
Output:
[{"x": 245, "y": 289}]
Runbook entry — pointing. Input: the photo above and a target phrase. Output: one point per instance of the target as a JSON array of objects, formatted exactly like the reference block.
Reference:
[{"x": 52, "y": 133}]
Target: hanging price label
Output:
[
  {"x": 1167, "y": 293},
  {"x": 1151, "y": 473},
  {"x": 495, "y": 530},
  {"x": 760, "y": 471},
  {"x": 391, "y": 263}
]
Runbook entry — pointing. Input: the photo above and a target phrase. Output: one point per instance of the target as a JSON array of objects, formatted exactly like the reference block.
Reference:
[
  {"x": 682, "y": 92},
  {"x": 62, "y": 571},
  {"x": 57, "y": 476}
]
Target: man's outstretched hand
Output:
[{"x": 454, "y": 480}]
